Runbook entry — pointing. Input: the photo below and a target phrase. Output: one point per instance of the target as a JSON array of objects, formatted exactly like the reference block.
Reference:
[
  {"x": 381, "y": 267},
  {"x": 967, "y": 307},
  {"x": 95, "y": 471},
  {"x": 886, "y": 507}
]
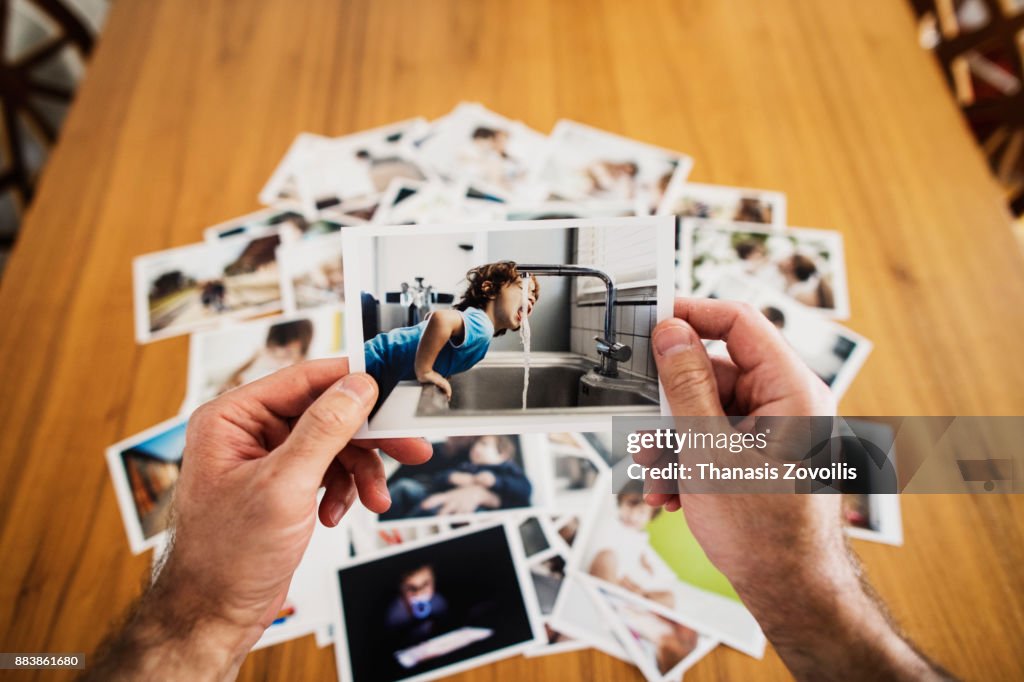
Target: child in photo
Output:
[
  {"x": 616, "y": 179},
  {"x": 418, "y": 612},
  {"x": 488, "y": 478},
  {"x": 287, "y": 344},
  {"x": 623, "y": 555},
  {"x": 487, "y": 158},
  {"x": 451, "y": 341}
]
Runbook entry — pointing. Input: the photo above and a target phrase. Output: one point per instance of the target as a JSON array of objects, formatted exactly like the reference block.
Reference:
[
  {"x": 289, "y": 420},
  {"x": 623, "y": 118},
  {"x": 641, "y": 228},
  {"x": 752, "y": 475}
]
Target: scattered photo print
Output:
[
  {"x": 661, "y": 647},
  {"x": 635, "y": 549},
  {"x": 289, "y": 225},
  {"x": 191, "y": 287},
  {"x": 312, "y": 273},
  {"x": 585, "y": 163},
  {"x": 830, "y": 350},
  {"x": 412, "y": 202},
  {"x": 231, "y": 356},
  {"x": 722, "y": 203},
  {"x": 338, "y": 174},
  {"x": 144, "y": 470},
  {"x": 569, "y": 210},
  {"x": 470, "y": 477},
  {"x": 431, "y": 610},
  {"x": 805, "y": 265}
]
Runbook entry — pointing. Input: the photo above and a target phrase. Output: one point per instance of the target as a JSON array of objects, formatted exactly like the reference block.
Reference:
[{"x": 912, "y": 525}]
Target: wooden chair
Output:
[
  {"x": 980, "y": 46},
  {"x": 50, "y": 41}
]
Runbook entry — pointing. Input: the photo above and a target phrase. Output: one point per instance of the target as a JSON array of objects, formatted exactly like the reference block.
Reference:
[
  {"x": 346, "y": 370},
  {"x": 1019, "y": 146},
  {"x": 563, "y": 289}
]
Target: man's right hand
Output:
[
  {"x": 763, "y": 376},
  {"x": 785, "y": 554}
]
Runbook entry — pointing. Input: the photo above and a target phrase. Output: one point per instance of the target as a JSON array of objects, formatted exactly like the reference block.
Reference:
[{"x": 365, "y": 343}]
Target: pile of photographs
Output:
[{"x": 508, "y": 541}]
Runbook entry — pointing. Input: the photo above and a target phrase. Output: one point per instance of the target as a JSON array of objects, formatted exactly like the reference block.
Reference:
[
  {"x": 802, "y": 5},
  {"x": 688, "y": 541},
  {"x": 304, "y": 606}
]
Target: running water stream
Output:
[{"x": 524, "y": 335}]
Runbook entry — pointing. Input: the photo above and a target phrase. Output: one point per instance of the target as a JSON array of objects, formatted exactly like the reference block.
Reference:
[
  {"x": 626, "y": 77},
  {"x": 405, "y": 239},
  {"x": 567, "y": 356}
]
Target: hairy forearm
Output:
[
  {"x": 826, "y": 624},
  {"x": 168, "y": 635}
]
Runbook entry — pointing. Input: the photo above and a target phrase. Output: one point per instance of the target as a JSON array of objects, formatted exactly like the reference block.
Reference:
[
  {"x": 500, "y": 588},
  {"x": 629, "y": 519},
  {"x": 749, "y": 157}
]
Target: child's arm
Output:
[
  {"x": 442, "y": 326},
  {"x": 511, "y": 484}
]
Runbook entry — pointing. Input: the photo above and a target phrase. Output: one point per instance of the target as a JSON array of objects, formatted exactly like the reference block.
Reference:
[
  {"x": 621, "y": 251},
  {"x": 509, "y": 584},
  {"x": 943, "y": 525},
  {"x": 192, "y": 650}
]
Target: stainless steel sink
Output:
[{"x": 557, "y": 381}]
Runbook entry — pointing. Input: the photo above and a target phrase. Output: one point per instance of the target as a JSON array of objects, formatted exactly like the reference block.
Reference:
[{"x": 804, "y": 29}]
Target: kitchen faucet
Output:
[
  {"x": 611, "y": 352},
  {"x": 417, "y": 300}
]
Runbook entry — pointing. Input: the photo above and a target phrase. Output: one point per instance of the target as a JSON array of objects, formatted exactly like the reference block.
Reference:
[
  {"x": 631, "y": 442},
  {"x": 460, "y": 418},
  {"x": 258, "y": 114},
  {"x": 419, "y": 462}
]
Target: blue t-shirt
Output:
[{"x": 391, "y": 356}]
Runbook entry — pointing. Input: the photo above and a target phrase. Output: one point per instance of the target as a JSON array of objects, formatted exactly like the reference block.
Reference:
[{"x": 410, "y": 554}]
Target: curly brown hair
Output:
[{"x": 486, "y": 281}]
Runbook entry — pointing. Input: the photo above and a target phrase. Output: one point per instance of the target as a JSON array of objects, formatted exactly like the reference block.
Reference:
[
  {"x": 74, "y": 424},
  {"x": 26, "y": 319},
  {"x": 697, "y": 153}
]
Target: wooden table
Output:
[{"x": 189, "y": 104}]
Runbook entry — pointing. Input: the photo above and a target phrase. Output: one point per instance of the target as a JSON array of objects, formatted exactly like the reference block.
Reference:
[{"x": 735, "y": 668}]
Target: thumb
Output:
[
  {"x": 685, "y": 370},
  {"x": 326, "y": 427}
]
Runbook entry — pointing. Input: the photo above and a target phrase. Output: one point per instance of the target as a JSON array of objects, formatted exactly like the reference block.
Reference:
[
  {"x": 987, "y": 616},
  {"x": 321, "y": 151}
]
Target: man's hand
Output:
[
  {"x": 245, "y": 507},
  {"x": 762, "y": 377},
  {"x": 785, "y": 554}
]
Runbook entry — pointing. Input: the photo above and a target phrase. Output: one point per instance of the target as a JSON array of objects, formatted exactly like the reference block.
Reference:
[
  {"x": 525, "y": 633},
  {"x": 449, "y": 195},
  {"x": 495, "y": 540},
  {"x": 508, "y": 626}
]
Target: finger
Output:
[
  {"x": 726, "y": 374},
  {"x": 327, "y": 426},
  {"x": 367, "y": 471},
  {"x": 658, "y": 499},
  {"x": 404, "y": 450},
  {"x": 749, "y": 337},
  {"x": 674, "y": 505},
  {"x": 431, "y": 501},
  {"x": 339, "y": 496},
  {"x": 685, "y": 370},
  {"x": 447, "y": 388}
]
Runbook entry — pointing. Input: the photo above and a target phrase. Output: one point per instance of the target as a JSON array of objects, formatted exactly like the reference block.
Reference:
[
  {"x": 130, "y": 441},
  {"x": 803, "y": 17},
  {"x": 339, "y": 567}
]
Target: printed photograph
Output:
[
  {"x": 804, "y": 265},
  {"x": 144, "y": 469},
  {"x": 830, "y": 350},
  {"x": 431, "y": 610},
  {"x": 569, "y": 210},
  {"x": 484, "y": 149},
  {"x": 414, "y": 202},
  {"x": 312, "y": 273},
  {"x": 369, "y": 537},
  {"x": 874, "y": 517},
  {"x": 289, "y": 225},
  {"x": 333, "y": 174},
  {"x": 634, "y": 549},
  {"x": 722, "y": 203},
  {"x": 662, "y": 648},
  {"x": 469, "y": 477},
  {"x": 584, "y": 163},
  {"x": 227, "y": 357},
  {"x": 196, "y": 286},
  {"x": 576, "y": 616},
  {"x": 482, "y": 328}
]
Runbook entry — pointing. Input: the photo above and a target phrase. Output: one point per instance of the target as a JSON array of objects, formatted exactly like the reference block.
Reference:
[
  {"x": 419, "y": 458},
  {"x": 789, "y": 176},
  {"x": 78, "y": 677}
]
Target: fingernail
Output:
[
  {"x": 382, "y": 488},
  {"x": 672, "y": 339},
  {"x": 359, "y": 387},
  {"x": 337, "y": 511}
]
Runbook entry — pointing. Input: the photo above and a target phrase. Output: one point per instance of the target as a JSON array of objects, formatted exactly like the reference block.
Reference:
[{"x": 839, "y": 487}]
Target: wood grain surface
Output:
[{"x": 189, "y": 104}]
